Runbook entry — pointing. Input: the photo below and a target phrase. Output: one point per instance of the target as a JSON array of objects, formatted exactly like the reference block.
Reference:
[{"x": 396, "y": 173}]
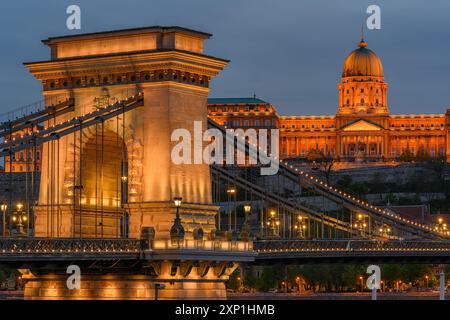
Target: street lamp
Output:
[
  {"x": 3, "y": 208},
  {"x": 18, "y": 217},
  {"x": 273, "y": 221},
  {"x": 441, "y": 227},
  {"x": 245, "y": 231},
  {"x": 300, "y": 226},
  {"x": 231, "y": 191},
  {"x": 177, "y": 230},
  {"x": 297, "y": 279},
  {"x": 362, "y": 283}
]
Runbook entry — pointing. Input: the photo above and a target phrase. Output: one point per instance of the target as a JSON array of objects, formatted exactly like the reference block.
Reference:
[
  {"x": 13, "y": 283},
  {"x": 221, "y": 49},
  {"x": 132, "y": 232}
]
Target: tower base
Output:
[
  {"x": 185, "y": 280},
  {"x": 121, "y": 287}
]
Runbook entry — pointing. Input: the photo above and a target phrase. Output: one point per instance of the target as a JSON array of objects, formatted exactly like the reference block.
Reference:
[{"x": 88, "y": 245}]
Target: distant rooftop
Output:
[{"x": 236, "y": 101}]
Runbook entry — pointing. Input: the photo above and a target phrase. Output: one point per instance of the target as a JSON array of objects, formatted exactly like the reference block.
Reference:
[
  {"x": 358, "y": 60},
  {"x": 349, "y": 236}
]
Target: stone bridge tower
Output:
[
  {"x": 117, "y": 179},
  {"x": 85, "y": 175}
]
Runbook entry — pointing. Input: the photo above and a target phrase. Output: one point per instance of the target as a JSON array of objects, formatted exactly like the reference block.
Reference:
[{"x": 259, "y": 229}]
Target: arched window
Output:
[
  {"x": 348, "y": 102},
  {"x": 362, "y": 101}
]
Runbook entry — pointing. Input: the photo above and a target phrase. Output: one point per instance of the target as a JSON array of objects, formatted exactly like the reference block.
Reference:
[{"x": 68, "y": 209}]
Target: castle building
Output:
[{"x": 363, "y": 129}]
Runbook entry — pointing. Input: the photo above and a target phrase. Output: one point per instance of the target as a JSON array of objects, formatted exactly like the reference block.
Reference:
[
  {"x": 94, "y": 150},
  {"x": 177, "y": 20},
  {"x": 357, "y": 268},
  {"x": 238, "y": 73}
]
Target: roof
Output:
[
  {"x": 128, "y": 31},
  {"x": 236, "y": 101},
  {"x": 362, "y": 62}
]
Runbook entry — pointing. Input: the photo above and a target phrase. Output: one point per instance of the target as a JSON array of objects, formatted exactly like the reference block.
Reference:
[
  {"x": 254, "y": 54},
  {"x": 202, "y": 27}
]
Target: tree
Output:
[
  {"x": 269, "y": 278},
  {"x": 233, "y": 282},
  {"x": 406, "y": 156},
  {"x": 319, "y": 160}
]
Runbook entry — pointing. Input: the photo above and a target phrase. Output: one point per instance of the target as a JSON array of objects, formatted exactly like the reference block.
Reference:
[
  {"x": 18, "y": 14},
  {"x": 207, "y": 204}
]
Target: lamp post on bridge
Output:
[
  {"x": 231, "y": 191},
  {"x": 361, "y": 224},
  {"x": 300, "y": 226},
  {"x": 177, "y": 230},
  {"x": 273, "y": 223},
  {"x": 3, "y": 208},
  {"x": 245, "y": 230},
  {"x": 19, "y": 217}
]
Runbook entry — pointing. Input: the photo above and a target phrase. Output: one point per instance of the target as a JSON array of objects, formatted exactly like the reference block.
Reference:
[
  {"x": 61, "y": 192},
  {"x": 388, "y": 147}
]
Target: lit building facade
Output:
[
  {"x": 362, "y": 128},
  {"x": 28, "y": 160}
]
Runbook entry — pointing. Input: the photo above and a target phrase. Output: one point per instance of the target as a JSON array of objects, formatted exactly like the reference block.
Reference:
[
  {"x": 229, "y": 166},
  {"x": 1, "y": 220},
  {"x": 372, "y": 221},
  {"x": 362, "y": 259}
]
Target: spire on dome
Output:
[{"x": 362, "y": 43}]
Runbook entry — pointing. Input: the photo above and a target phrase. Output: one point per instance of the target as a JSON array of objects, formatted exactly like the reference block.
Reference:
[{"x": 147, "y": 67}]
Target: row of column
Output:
[
  {"x": 367, "y": 141},
  {"x": 294, "y": 145}
]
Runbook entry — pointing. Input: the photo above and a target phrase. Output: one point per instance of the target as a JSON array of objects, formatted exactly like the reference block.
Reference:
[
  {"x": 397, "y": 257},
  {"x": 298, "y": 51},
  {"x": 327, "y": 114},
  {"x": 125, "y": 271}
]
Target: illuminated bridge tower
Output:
[
  {"x": 88, "y": 172},
  {"x": 116, "y": 178}
]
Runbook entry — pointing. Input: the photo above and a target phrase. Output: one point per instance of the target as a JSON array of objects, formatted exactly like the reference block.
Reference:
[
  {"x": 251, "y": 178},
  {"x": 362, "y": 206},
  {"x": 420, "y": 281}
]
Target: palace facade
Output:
[{"x": 362, "y": 128}]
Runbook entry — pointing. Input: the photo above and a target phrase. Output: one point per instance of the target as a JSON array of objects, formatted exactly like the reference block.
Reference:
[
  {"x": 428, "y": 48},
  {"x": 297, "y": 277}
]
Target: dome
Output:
[{"x": 362, "y": 62}]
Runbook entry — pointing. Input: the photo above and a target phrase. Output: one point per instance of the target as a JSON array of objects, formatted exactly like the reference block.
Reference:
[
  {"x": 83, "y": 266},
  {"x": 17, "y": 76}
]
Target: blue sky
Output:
[{"x": 288, "y": 52}]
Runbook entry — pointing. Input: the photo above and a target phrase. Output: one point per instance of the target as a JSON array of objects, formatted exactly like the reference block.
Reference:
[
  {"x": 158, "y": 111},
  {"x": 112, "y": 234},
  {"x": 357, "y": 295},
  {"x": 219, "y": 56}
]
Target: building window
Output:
[
  {"x": 303, "y": 126},
  {"x": 267, "y": 123},
  {"x": 224, "y": 109},
  {"x": 236, "y": 123},
  {"x": 362, "y": 101},
  {"x": 293, "y": 126},
  {"x": 21, "y": 168},
  {"x": 348, "y": 102},
  {"x": 432, "y": 152},
  {"x": 256, "y": 123},
  {"x": 236, "y": 109},
  {"x": 393, "y": 152},
  {"x": 313, "y": 126},
  {"x": 323, "y": 126},
  {"x": 246, "y": 123},
  {"x": 225, "y": 123},
  {"x": 332, "y": 125},
  {"x": 213, "y": 108},
  {"x": 247, "y": 108},
  {"x": 442, "y": 151}
]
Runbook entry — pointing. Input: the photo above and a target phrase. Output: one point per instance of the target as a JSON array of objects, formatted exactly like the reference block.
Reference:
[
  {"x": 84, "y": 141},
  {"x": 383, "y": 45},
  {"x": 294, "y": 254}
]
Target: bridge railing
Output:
[
  {"x": 350, "y": 245},
  {"x": 68, "y": 245}
]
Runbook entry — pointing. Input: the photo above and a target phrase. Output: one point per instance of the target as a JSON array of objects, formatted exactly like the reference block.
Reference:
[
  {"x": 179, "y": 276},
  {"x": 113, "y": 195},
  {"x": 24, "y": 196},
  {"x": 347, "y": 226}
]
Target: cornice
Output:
[{"x": 134, "y": 62}]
